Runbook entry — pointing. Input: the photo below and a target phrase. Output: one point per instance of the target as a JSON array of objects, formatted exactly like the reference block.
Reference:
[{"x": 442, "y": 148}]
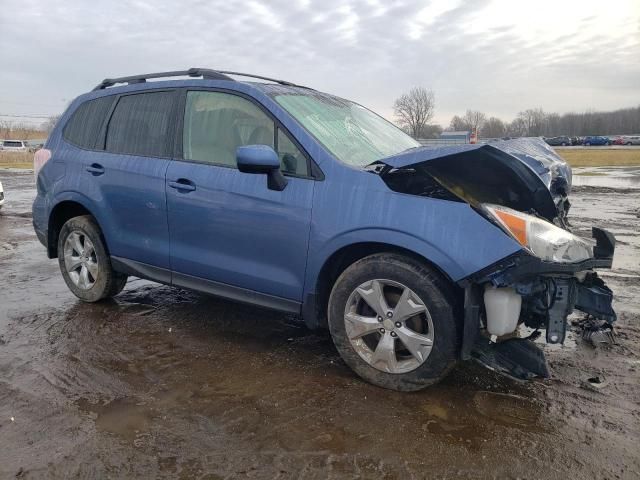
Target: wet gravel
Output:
[{"x": 167, "y": 383}]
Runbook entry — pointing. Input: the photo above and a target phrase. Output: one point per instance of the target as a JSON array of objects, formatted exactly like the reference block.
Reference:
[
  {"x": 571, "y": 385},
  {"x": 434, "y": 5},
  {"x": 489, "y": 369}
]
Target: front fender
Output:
[
  {"x": 392, "y": 238},
  {"x": 449, "y": 234}
]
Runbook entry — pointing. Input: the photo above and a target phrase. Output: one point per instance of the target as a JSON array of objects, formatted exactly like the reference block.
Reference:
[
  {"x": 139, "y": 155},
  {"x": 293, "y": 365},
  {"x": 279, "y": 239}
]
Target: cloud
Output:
[{"x": 497, "y": 56}]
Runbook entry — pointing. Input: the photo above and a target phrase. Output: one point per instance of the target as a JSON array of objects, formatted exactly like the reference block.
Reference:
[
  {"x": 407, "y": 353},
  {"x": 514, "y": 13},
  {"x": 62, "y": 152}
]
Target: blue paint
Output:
[{"x": 232, "y": 229}]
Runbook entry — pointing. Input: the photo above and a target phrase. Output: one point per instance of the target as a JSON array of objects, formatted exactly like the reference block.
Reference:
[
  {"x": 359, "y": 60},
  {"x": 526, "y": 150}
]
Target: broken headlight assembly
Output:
[{"x": 540, "y": 237}]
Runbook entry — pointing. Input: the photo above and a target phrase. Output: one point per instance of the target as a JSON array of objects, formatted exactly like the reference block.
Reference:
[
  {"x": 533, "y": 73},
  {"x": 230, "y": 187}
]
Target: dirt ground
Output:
[{"x": 167, "y": 383}]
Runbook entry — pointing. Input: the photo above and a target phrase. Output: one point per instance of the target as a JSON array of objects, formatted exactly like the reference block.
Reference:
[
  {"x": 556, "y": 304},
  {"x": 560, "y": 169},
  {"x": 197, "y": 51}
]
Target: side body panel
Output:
[
  {"x": 124, "y": 192},
  {"x": 233, "y": 229},
  {"x": 356, "y": 206},
  {"x": 131, "y": 196},
  {"x": 349, "y": 206}
]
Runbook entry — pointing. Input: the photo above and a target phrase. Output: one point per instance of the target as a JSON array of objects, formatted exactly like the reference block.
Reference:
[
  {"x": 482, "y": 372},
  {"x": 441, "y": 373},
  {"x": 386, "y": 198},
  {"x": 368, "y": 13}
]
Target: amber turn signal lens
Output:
[{"x": 516, "y": 225}]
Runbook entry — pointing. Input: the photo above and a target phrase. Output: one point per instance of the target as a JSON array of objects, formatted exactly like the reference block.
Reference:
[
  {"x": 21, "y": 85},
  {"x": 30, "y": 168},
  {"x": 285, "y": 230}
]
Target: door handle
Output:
[
  {"x": 95, "y": 169},
  {"x": 183, "y": 184}
]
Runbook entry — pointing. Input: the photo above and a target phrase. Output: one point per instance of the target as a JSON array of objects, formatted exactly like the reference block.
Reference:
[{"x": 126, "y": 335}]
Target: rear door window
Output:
[
  {"x": 84, "y": 126},
  {"x": 142, "y": 124}
]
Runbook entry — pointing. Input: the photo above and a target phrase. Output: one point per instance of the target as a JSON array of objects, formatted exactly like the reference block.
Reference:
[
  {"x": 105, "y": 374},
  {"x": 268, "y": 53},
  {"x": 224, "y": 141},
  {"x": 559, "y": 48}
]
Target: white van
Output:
[{"x": 14, "y": 146}]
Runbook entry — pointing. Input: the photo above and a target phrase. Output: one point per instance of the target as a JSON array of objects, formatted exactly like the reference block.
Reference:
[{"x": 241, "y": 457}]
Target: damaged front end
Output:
[
  {"x": 522, "y": 187},
  {"x": 545, "y": 294}
]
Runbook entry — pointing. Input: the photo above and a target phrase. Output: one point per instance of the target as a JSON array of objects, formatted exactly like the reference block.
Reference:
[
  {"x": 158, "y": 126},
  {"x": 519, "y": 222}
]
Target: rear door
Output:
[
  {"x": 127, "y": 177},
  {"x": 227, "y": 227}
]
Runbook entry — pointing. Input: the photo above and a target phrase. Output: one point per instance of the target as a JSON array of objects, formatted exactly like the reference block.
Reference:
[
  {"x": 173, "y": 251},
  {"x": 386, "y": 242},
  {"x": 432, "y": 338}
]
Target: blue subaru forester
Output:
[{"x": 287, "y": 198}]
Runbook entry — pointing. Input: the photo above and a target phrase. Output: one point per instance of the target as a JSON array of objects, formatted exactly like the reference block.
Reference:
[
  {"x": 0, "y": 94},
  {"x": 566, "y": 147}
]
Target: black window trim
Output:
[
  {"x": 96, "y": 141},
  {"x": 314, "y": 171},
  {"x": 101, "y": 143}
]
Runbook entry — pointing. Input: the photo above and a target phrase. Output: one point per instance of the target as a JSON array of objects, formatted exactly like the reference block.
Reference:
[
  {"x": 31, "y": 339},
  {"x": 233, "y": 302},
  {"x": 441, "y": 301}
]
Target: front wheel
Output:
[
  {"x": 84, "y": 263},
  {"x": 395, "y": 322}
]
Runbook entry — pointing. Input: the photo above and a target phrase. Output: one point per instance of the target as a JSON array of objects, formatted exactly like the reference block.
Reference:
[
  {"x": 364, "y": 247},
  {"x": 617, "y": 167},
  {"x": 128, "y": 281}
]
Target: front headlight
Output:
[{"x": 540, "y": 237}]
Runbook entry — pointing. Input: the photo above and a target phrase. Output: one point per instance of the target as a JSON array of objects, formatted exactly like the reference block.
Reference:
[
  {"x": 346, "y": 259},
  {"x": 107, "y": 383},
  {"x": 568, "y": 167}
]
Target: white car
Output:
[
  {"x": 1, "y": 196},
  {"x": 14, "y": 146}
]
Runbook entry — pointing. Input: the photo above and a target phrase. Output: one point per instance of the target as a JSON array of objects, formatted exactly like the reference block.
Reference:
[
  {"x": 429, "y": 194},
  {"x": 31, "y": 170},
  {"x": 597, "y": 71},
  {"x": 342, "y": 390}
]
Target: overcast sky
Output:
[{"x": 497, "y": 56}]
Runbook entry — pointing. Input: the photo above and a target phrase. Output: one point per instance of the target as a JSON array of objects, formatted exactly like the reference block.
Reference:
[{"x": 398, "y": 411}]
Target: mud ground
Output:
[{"x": 168, "y": 383}]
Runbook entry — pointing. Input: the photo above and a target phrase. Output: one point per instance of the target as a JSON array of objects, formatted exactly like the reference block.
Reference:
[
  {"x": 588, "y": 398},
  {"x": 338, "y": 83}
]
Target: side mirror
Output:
[{"x": 261, "y": 159}]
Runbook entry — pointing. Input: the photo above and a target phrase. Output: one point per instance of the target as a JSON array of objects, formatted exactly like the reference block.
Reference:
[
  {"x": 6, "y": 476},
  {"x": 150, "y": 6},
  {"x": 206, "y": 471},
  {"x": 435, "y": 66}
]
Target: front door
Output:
[{"x": 225, "y": 226}]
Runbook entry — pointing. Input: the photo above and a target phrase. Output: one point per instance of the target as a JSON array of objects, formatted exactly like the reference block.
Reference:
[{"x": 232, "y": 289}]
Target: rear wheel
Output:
[
  {"x": 84, "y": 263},
  {"x": 393, "y": 321}
]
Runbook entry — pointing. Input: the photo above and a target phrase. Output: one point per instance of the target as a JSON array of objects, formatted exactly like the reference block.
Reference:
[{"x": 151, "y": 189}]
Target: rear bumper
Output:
[
  {"x": 42, "y": 236},
  {"x": 40, "y": 222}
]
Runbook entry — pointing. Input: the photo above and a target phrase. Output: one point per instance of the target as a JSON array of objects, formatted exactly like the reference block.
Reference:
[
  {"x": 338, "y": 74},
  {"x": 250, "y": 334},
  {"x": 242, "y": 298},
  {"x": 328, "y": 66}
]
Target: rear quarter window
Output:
[{"x": 83, "y": 128}]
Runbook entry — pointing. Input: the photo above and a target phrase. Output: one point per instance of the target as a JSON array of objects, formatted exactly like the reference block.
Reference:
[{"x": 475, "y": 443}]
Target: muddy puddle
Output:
[
  {"x": 165, "y": 383},
  {"x": 607, "y": 177}
]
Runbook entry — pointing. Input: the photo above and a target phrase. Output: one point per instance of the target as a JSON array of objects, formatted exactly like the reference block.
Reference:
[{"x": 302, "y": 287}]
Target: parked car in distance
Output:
[
  {"x": 596, "y": 140},
  {"x": 631, "y": 140},
  {"x": 281, "y": 196},
  {"x": 576, "y": 140},
  {"x": 1, "y": 195},
  {"x": 617, "y": 140},
  {"x": 14, "y": 146},
  {"x": 558, "y": 141}
]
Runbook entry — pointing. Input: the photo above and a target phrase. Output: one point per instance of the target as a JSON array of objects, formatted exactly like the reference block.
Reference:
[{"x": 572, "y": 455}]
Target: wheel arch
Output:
[
  {"x": 64, "y": 210},
  {"x": 314, "y": 309}
]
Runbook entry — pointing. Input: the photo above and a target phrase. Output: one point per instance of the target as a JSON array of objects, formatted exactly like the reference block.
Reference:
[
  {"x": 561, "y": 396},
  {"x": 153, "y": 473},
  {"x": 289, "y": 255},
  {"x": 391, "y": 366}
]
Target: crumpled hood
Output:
[{"x": 525, "y": 173}]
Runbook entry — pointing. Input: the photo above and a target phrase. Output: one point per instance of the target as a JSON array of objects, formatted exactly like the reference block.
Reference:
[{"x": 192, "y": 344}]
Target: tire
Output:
[
  {"x": 398, "y": 277},
  {"x": 587, "y": 144},
  {"x": 84, "y": 262}
]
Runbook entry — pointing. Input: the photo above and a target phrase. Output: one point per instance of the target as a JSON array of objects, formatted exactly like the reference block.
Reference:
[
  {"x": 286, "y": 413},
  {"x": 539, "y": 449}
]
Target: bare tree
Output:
[
  {"x": 493, "y": 128},
  {"x": 50, "y": 123},
  {"x": 517, "y": 128},
  {"x": 5, "y": 129},
  {"x": 474, "y": 119},
  {"x": 414, "y": 110},
  {"x": 534, "y": 120},
  {"x": 459, "y": 124}
]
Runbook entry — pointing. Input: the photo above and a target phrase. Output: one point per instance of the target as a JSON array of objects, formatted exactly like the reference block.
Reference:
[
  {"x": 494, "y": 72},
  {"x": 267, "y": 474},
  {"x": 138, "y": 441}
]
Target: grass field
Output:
[
  {"x": 597, "y": 157},
  {"x": 587, "y": 157},
  {"x": 16, "y": 159}
]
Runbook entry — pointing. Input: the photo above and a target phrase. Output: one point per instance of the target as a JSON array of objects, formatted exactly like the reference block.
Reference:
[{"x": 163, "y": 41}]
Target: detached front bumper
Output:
[{"x": 549, "y": 293}]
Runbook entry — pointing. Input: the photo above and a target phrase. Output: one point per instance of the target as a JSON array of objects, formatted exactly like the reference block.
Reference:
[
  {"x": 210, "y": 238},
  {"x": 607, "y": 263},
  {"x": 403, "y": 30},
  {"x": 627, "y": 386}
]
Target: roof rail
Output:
[
  {"x": 205, "y": 73},
  {"x": 249, "y": 75},
  {"x": 192, "y": 72}
]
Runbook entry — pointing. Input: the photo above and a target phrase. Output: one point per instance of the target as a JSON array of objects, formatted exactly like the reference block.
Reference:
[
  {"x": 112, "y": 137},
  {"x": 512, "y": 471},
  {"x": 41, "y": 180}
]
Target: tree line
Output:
[
  {"x": 26, "y": 131},
  {"x": 415, "y": 109}
]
